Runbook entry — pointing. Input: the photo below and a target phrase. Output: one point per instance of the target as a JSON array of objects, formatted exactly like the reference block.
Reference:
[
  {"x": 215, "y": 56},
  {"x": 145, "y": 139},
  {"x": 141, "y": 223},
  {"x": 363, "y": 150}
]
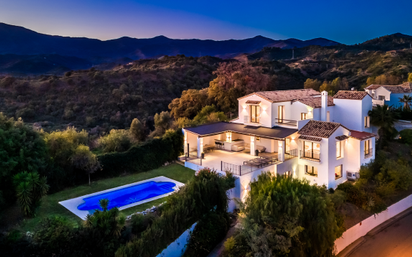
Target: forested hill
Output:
[{"x": 112, "y": 98}]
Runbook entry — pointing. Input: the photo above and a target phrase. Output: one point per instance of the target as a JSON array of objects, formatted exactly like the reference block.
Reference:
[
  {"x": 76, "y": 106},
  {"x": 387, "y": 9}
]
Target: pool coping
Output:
[{"x": 71, "y": 204}]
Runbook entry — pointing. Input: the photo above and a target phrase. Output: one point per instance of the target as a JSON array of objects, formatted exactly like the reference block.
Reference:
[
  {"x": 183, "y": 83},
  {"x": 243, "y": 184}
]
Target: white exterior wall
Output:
[
  {"x": 364, "y": 160},
  {"x": 382, "y": 91},
  {"x": 366, "y": 107},
  {"x": 352, "y": 154},
  {"x": 296, "y": 109},
  {"x": 265, "y": 110},
  {"x": 349, "y": 113},
  {"x": 322, "y": 178},
  {"x": 333, "y": 161}
]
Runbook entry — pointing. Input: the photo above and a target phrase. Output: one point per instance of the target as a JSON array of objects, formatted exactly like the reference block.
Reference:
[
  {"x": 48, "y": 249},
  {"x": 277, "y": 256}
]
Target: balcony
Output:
[
  {"x": 312, "y": 155},
  {"x": 285, "y": 122},
  {"x": 368, "y": 153},
  {"x": 378, "y": 102}
]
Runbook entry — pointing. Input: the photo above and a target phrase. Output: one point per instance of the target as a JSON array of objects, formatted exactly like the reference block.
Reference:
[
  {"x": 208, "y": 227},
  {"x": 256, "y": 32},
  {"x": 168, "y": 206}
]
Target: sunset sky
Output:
[{"x": 347, "y": 21}]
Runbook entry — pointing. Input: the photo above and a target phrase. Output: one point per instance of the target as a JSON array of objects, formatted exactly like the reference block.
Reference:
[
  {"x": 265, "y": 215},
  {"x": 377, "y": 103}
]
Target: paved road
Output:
[{"x": 393, "y": 241}]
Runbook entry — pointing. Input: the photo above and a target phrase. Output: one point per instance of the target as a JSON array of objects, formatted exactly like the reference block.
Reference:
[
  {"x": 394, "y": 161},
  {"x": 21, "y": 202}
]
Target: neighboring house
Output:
[
  {"x": 389, "y": 94},
  {"x": 300, "y": 133}
]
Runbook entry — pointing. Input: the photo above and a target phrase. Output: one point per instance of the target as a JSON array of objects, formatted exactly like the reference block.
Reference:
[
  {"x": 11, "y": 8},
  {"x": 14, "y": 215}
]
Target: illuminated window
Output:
[
  {"x": 338, "y": 149},
  {"x": 311, "y": 170},
  {"x": 254, "y": 113},
  {"x": 338, "y": 172},
  {"x": 367, "y": 121},
  {"x": 303, "y": 116}
]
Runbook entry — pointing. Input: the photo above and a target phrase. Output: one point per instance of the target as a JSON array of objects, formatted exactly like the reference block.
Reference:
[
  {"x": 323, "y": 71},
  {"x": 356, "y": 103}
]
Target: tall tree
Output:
[
  {"x": 312, "y": 83},
  {"x": 21, "y": 149},
  {"x": 83, "y": 159},
  {"x": 233, "y": 80},
  {"x": 288, "y": 217},
  {"x": 137, "y": 130},
  {"x": 383, "y": 118}
]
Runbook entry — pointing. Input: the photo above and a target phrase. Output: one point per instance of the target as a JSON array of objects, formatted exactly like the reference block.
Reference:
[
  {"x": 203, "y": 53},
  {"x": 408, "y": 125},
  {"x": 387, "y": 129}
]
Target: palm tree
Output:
[
  {"x": 406, "y": 100},
  {"x": 30, "y": 188},
  {"x": 383, "y": 118}
]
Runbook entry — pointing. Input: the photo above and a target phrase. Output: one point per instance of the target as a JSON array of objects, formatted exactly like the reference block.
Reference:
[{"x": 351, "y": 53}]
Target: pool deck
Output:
[{"x": 72, "y": 204}]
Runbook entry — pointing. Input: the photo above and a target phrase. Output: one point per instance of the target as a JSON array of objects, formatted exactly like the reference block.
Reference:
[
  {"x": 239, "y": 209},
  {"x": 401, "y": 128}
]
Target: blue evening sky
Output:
[{"x": 347, "y": 21}]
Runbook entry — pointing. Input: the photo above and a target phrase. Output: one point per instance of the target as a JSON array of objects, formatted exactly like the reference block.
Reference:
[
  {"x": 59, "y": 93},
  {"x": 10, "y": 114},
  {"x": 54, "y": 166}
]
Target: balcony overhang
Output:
[{"x": 277, "y": 133}]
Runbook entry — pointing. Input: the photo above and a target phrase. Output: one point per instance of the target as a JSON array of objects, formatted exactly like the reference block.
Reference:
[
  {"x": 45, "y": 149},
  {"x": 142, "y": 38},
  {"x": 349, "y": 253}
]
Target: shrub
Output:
[
  {"x": 406, "y": 136},
  {"x": 30, "y": 188},
  {"x": 353, "y": 194},
  {"x": 119, "y": 140},
  {"x": 53, "y": 235},
  {"x": 209, "y": 231},
  {"x": 140, "y": 222}
]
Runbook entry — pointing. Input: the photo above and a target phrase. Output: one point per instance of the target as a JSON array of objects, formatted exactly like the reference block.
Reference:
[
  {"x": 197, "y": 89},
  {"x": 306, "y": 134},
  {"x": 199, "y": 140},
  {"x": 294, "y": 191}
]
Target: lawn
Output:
[{"x": 50, "y": 205}]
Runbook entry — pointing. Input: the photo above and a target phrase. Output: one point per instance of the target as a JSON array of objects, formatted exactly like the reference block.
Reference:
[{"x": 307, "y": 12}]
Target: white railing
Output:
[{"x": 378, "y": 102}]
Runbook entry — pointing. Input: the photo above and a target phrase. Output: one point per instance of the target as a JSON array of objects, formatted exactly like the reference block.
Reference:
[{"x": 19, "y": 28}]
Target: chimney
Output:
[{"x": 324, "y": 102}]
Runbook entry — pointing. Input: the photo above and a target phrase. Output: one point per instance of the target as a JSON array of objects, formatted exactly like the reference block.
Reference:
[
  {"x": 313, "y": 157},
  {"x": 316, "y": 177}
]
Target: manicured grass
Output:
[{"x": 50, "y": 204}]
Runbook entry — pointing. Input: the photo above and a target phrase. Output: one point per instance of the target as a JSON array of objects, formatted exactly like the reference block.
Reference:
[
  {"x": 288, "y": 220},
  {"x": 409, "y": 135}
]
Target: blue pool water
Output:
[{"x": 127, "y": 195}]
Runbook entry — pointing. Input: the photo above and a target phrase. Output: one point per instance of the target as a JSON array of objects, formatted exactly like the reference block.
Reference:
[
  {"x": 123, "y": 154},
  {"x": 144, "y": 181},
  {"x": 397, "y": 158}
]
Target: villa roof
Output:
[
  {"x": 222, "y": 127},
  {"x": 252, "y": 102},
  {"x": 284, "y": 95},
  {"x": 361, "y": 135},
  {"x": 340, "y": 138},
  {"x": 348, "y": 94},
  {"x": 396, "y": 89},
  {"x": 322, "y": 129},
  {"x": 315, "y": 101},
  {"x": 316, "y": 139}
]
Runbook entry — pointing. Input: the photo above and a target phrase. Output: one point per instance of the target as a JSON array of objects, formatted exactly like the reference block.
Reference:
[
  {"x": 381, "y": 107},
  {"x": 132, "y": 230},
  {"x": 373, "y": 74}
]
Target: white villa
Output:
[
  {"x": 300, "y": 133},
  {"x": 389, "y": 94}
]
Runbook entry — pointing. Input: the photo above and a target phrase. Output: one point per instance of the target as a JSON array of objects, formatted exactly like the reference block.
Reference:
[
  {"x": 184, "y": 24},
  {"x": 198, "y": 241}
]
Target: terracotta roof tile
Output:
[
  {"x": 316, "y": 139},
  {"x": 396, "y": 89},
  {"x": 315, "y": 101},
  {"x": 340, "y": 138},
  {"x": 361, "y": 135},
  {"x": 285, "y": 95},
  {"x": 316, "y": 128},
  {"x": 252, "y": 102},
  {"x": 347, "y": 94}
]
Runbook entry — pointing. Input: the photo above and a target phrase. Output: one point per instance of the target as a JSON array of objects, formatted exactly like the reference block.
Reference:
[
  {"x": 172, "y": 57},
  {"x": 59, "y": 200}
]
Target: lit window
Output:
[
  {"x": 303, "y": 116},
  {"x": 366, "y": 121},
  {"x": 254, "y": 113},
  {"x": 338, "y": 149},
  {"x": 338, "y": 172},
  {"x": 311, "y": 170}
]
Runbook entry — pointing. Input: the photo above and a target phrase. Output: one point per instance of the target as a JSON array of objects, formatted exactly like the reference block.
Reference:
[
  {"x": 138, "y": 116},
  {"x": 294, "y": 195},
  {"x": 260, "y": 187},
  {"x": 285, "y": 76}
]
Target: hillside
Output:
[
  {"x": 385, "y": 55},
  {"x": 21, "y": 41}
]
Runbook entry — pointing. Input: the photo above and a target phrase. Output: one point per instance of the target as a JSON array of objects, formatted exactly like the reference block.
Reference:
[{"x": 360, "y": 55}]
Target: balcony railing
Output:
[
  {"x": 368, "y": 152},
  {"x": 285, "y": 122},
  {"x": 310, "y": 154}
]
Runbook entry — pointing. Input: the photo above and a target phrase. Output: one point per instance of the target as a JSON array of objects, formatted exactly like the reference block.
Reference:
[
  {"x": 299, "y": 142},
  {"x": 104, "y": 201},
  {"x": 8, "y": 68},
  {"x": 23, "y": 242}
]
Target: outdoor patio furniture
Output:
[{"x": 208, "y": 148}]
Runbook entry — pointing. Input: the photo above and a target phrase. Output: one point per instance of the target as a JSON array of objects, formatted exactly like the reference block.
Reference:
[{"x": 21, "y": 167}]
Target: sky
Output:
[{"x": 347, "y": 21}]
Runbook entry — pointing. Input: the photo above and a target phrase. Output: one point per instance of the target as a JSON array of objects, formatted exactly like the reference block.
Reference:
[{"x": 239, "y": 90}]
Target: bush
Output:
[
  {"x": 406, "y": 136},
  {"x": 140, "y": 222},
  {"x": 209, "y": 231},
  {"x": 353, "y": 194},
  {"x": 54, "y": 235},
  {"x": 119, "y": 140}
]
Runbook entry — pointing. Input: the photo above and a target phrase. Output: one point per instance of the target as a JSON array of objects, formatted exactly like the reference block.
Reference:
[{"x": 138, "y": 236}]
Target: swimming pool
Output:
[
  {"x": 123, "y": 197},
  {"x": 128, "y": 195}
]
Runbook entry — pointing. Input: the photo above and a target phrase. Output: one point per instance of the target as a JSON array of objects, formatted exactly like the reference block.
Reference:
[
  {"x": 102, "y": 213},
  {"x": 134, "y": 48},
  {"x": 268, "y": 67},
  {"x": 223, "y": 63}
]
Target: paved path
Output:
[{"x": 393, "y": 241}]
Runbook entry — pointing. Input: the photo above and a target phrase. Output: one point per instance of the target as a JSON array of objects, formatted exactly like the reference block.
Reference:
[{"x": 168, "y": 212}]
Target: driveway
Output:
[{"x": 393, "y": 241}]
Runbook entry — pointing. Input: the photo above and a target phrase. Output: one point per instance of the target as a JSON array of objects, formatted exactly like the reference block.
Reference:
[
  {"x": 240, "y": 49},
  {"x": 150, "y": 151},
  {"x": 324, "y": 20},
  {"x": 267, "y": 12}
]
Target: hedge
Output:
[{"x": 147, "y": 156}]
